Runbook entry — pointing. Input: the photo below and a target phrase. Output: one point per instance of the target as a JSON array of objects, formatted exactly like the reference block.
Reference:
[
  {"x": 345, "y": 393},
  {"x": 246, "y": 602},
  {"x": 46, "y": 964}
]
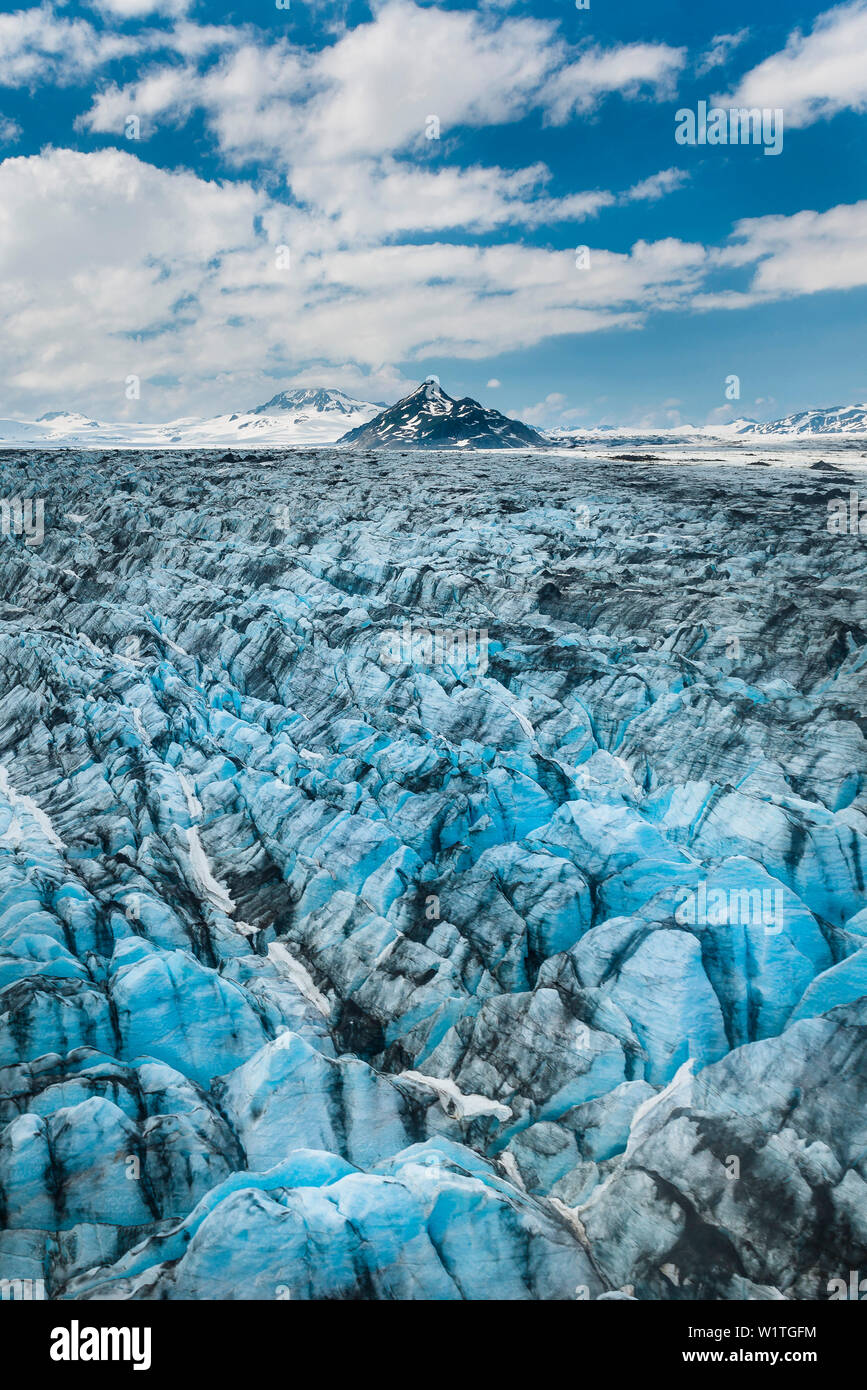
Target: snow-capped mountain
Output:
[
  {"x": 323, "y": 400},
  {"x": 66, "y": 419},
  {"x": 429, "y": 418},
  {"x": 835, "y": 419},
  {"x": 55, "y": 427},
  {"x": 426, "y": 418},
  {"x": 840, "y": 420},
  {"x": 292, "y": 417}
]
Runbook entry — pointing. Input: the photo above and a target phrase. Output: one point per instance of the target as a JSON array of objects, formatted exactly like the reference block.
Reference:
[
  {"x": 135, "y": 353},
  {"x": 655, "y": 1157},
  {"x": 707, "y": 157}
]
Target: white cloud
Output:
[
  {"x": 721, "y": 48},
  {"x": 10, "y": 131},
  {"x": 167, "y": 275},
  {"x": 380, "y": 199},
  {"x": 342, "y": 103},
  {"x": 349, "y": 139},
  {"x": 546, "y": 412},
  {"x": 723, "y": 415},
  {"x": 650, "y": 190},
  {"x": 382, "y": 383},
  {"x": 196, "y": 40},
  {"x": 816, "y": 74},
  {"x": 632, "y": 70},
  {"x": 466, "y": 69},
  {"x": 804, "y": 253},
  {"x": 164, "y": 274},
  {"x": 281, "y": 107},
  {"x": 114, "y": 244},
  {"x": 139, "y": 9},
  {"x": 37, "y": 46},
  {"x": 170, "y": 276},
  {"x": 494, "y": 383}
]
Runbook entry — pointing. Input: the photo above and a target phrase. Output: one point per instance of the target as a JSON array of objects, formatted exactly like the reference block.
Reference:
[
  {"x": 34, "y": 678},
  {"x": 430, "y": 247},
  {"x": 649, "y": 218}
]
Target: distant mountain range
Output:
[
  {"x": 427, "y": 418},
  {"x": 294, "y": 417},
  {"x": 835, "y": 419}
]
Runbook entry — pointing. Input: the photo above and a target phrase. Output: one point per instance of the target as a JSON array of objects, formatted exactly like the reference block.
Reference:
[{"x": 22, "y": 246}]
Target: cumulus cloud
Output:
[
  {"x": 39, "y": 46},
  {"x": 161, "y": 273},
  {"x": 10, "y": 131},
  {"x": 816, "y": 74},
  {"x": 632, "y": 70},
  {"x": 97, "y": 249},
  {"x": 342, "y": 102},
  {"x": 348, "y": 140},
  {"x": 353, "y": 250},
  {"x": 164, "y": 274},
  {"x": 803, "y": 253},
  {"x": 336, "y": 128},
  {"x": 469, "y": 68},
  {"x": 386, "y": 197},
  {"x": 545, "y": 412}
]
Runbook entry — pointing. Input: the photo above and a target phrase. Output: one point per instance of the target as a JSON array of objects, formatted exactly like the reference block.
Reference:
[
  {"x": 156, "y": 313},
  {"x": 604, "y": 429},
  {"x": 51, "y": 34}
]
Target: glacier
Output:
[{"x": 336, "y": 970}]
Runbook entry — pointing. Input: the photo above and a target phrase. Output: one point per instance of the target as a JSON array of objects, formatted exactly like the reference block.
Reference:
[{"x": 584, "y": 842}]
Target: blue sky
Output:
[{"x": 220, "y": 201}]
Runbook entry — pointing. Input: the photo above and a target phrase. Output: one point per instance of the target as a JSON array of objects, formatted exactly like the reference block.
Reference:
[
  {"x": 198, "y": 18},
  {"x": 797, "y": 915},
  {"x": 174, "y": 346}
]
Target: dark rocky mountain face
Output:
[{"x": 428, "y": 418}]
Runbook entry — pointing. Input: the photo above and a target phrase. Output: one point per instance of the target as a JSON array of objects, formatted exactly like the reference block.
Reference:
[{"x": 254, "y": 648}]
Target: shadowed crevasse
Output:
[{"x": 352, "y": 970}]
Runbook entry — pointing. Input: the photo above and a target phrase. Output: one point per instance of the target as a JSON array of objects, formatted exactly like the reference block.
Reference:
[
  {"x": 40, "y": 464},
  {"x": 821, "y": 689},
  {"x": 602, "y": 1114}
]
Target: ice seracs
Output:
[{"x": 330, "y": 970}]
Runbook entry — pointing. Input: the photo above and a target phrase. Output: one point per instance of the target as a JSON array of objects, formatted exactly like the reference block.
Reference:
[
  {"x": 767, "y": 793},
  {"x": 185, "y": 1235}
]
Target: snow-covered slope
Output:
[
  {"x": 58, "y": 426},
  {"x": 835, "y": 419},
  {"x": 429, "y": 418},
  {"x": 318, "y": 401},
  {"x": 647, "y": 434},
  {"x": 839, "y": 420},
  {"x": 292, "y": 417}
]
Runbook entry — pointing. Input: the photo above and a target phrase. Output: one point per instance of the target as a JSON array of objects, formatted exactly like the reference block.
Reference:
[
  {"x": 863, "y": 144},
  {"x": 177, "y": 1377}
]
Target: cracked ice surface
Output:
[{"x": 332, "y": 966}]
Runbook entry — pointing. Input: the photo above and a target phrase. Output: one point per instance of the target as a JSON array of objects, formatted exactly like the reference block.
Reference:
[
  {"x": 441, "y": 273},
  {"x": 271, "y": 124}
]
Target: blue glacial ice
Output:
[{"x": 335, "y": 967}]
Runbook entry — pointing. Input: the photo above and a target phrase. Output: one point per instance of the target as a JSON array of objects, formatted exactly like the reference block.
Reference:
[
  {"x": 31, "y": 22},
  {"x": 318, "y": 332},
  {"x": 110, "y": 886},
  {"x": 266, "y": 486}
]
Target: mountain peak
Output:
[
  {"x": 321, "y": 400},
  {"x": 833, "y": 419},
  {"x": 429, "y": 418},
  {"x": 71, "y": 418},
  {"x": 431, "y": 390}
]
